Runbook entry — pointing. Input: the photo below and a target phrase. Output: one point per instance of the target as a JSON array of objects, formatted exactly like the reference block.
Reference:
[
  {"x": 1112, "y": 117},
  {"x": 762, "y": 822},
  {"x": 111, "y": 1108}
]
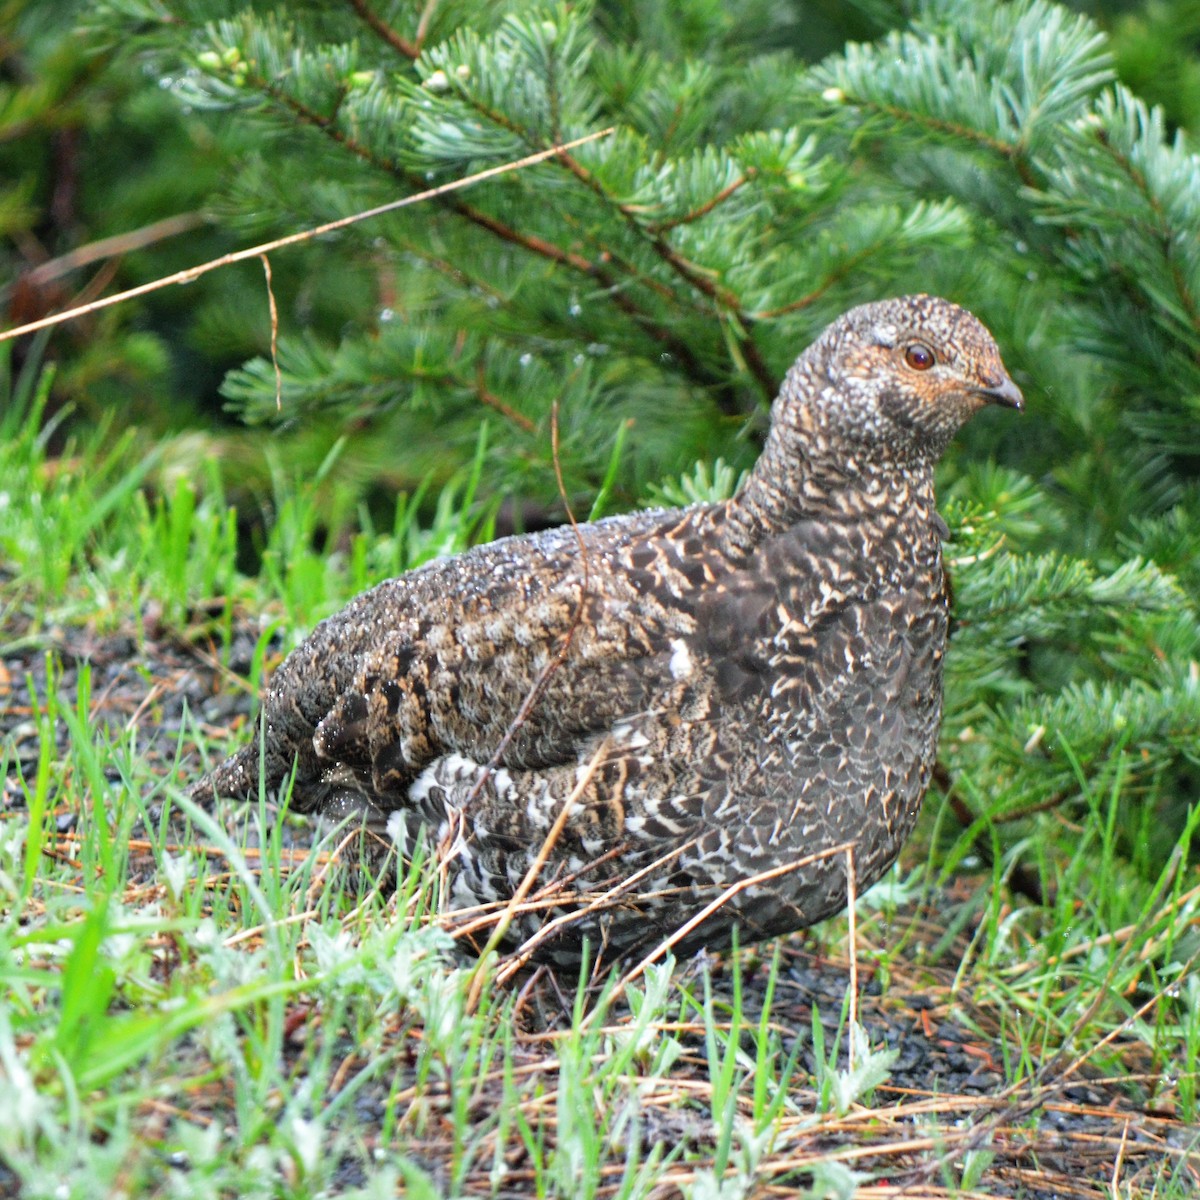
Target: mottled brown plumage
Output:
[{"x": 743, "y": 684}]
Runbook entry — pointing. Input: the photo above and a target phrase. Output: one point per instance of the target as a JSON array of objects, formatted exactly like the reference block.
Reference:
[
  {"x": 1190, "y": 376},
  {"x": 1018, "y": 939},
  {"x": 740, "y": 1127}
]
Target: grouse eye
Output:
[{"x": 919, "y": 357}]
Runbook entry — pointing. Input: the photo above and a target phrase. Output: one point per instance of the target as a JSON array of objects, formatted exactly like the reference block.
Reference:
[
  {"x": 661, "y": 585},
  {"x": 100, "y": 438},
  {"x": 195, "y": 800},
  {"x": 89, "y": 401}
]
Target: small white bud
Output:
[
  {"x": 833, "y": 95},
  {"x": 463, "y": 72},
  {"x": 437, "y": 82}
]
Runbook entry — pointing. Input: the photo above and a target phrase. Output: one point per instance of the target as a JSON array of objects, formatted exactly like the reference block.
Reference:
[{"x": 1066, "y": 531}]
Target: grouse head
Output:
[
  {"x": 897, "y": 378},
  {"x": 868, "y": 408}
]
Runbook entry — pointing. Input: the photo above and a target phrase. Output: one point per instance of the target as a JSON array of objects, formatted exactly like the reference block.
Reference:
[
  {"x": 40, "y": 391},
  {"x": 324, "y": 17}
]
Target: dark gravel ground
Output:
[{"x": 1058, "y": 1134}]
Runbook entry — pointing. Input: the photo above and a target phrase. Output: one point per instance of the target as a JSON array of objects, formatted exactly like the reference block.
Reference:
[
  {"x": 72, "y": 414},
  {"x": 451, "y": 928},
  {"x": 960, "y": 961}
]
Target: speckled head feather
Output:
[
  {"x": 940, "y": 363},
  {"x": 879, "y": 394},
  {"x": 722, "y": 690}
]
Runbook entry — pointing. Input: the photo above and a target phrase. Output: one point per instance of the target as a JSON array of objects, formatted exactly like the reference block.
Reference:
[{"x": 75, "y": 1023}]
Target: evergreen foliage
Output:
[{"x": 653, "y": 286}]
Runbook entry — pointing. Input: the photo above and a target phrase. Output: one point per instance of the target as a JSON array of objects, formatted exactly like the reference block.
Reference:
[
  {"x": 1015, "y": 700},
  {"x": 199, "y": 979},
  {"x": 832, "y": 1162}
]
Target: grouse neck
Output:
[{"x": 812, "y": 475}]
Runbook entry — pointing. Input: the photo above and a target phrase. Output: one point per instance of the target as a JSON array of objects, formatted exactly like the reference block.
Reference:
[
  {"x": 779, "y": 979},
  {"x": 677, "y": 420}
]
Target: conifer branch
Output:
[
  {"x": 693, "y": 275},
  {"x": 612, "y": 286},
  {"x": 308, "y": 116},
  {"x": 1163, "y": 233},
  {"x": 696, "y": 277},
  {"x": 488, "y": 397},
  {"x": 1013, "y": 153},
  {"x": 703, "y": 210},
  {"x": 444, "y": 266},
  {"x": 676, "y": 346},
  {"x": 396, "y": 40},
  {"x": 810, "y": 298}
]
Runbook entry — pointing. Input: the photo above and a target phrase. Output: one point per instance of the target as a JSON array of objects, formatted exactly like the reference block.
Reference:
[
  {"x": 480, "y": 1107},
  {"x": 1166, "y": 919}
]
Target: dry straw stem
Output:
[
  {"x": 707, "y": 911},
  {"x": 535, "y": 869},
  {"x": 600, "y": 900},
  {"x": 1129, "y": 1023},
  {"x": 465, "y": 922},
  {"x": 1169, "y": 917},
  {"x": 852, "y": 936},
  {"x": 266, "y": 262},
  {"x": 191, "y": 274},
  {"x": 112, "y": 247}
]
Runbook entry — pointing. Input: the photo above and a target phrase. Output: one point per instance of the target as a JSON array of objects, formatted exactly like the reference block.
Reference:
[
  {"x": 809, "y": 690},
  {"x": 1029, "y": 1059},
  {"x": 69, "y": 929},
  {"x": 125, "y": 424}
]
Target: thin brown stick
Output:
[
  {"x": 274, "y": 311},
  {"x": 704, "y": 209},
  {"x": 707, "y": 911},
  {"x": 112, "y": 247},
  {"x": 605, "y": 899},
  {"x": 351, "y": 838},
  {"x": 191, "y": 274},
  {"x": 1021, "y": 814},
  {"x": 1119, "y": 1162},
  {"x": 378, "y": 25},
  {"x": 490, "y": 398},
  {"x": 530, "y": 877},
  {"x": 852, "y": 934},
  {"x": 1127, "y": 933},
  {"x": 1124, "y": 1027},
  {"x": 552, "y": 894}
]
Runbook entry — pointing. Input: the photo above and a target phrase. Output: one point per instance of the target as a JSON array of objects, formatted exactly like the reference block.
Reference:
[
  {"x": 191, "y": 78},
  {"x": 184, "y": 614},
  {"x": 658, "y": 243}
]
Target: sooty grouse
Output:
[{"x": 719, "y": 691}]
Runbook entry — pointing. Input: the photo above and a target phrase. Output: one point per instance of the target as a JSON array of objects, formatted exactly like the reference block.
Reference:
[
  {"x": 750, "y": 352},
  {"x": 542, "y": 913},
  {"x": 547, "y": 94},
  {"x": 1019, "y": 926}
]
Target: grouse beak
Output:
[{"x": 1005, "y": 392}]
